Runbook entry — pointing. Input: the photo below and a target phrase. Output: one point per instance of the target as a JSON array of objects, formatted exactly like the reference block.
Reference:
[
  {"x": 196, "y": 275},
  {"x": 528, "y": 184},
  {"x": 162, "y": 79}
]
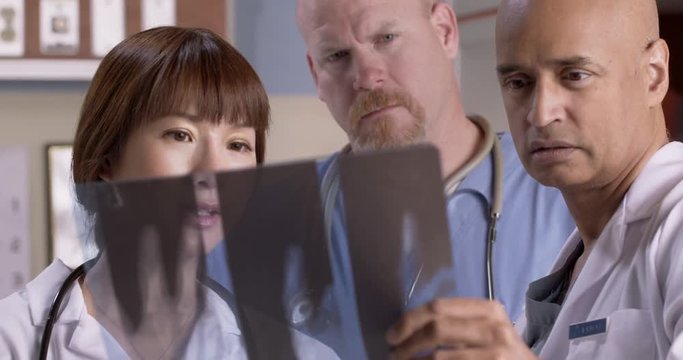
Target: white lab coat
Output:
[
  {"x": 77, "y": 335},
  {"x": 633, "y": 276}
]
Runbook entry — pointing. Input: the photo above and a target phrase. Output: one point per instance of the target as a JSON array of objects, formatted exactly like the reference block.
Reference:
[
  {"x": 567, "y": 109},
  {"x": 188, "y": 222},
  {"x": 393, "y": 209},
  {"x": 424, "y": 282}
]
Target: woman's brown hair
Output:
[{"x": 158, "y": 72}]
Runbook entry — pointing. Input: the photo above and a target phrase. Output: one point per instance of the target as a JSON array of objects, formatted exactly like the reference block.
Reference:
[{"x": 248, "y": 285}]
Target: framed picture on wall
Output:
[
  {"x": 15, "y": 243},
  {"x": 65, "y": 218}
]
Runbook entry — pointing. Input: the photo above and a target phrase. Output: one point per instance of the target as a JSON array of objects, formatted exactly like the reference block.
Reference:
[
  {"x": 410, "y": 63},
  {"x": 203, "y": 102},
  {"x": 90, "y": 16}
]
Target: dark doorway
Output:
[{"x": 671, "y": 29}]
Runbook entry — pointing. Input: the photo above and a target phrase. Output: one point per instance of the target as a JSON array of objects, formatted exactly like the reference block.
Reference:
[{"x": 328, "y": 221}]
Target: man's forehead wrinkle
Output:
[
  {"x": 315, "y": 13},
  {"x": 360, "y": 26},
  {"x": 552, "y": 63},
  {"x": 637, "y": 19},
  {"x": 312, "y": 14},
  {"x": 624, "y": 28}
]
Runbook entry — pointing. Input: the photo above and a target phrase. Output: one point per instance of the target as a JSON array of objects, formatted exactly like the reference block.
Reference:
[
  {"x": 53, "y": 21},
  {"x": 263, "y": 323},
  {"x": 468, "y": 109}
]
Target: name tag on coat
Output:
[{"x": 589, "y": 328}]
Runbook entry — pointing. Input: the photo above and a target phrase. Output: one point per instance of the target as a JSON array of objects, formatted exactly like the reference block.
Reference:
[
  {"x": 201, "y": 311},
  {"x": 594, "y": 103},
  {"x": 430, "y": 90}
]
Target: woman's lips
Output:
[{"x": 206, "y": 216}]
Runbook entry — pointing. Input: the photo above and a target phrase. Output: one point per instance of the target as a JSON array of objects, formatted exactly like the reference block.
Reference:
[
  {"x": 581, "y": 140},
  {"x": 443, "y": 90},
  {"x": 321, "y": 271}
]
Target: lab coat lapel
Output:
[
  {"x": 41, "y": 292},
  {"x": 639, "y": 203},
  {"x": 581, "y": 299},
  {"x": 90, "y": 340},
  {"x": 600, "y": 263},
  {"x": 660, "y": 175},
  {"x": 75, "y": 333}
]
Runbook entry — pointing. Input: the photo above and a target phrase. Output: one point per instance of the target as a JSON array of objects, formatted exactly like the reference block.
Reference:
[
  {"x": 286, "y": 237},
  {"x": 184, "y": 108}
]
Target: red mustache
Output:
[{"x": 374, "y": 100}]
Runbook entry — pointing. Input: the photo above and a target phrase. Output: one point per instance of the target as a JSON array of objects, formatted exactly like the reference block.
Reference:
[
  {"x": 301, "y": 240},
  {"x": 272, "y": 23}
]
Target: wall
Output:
[
  {"x": 33, "y": 118},
  {"x": 34, "y": 114},
  {"x": 479, "y": 83}
]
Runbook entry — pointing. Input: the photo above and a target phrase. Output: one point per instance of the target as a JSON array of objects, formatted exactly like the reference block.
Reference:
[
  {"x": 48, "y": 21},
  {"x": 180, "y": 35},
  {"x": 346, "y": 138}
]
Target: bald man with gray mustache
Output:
[{"x": 582, "y": 83}]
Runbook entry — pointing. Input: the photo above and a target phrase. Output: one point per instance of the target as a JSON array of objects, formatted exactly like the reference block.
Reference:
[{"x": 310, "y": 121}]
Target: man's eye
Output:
[
  {"x": 576, "y": 76},
  {"x": 336, "y": 56},
  {"x": 387, "y": 38},
  {"x": 516, "y": 83}
]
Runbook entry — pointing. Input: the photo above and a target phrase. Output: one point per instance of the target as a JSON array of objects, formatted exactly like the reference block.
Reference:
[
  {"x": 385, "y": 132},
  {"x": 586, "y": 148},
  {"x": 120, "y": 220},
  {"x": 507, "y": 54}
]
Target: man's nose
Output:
[
  {"x": 546, "y": 104},
  {"x": 370, "y": 72}
]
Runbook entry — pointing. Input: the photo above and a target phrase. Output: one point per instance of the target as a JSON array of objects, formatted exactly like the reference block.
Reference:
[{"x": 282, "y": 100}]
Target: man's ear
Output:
[
  {"x": 314, "y": 73},
  {"x": 445, "y": 23},
  {"x": 657, "y": 55}
]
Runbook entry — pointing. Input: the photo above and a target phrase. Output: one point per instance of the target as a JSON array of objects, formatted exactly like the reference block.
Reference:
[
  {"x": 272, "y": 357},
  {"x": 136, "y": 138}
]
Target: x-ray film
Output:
[
  {"x": 278, "y": 291},
  {"x": 397, "y": 235},
  {"x": 278, "y": 257}
]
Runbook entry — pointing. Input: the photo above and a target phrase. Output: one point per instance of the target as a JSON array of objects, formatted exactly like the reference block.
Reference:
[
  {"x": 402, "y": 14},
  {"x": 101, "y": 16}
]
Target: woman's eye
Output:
[
  {"x": 239, "y": 146},
  {"x": 180, "y": 136}
]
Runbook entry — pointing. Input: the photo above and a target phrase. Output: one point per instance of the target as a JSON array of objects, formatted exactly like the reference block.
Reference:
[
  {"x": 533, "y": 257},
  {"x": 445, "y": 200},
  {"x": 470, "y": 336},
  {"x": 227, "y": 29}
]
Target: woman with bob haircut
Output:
[{"x": 165, "y": 102}]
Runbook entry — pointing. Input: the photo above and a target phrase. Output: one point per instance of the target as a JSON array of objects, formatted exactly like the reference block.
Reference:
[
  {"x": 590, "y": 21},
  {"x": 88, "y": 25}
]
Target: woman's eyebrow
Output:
[{"x": 191, "y": 117}]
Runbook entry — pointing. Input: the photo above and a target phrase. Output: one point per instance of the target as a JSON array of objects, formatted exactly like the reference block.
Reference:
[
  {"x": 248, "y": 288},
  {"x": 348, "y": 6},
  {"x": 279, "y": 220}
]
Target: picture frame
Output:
[{"x": 64, "y": 235}]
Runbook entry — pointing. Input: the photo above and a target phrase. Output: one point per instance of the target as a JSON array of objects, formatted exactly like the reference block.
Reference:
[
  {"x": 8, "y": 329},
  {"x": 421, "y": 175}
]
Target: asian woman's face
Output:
[{"x": 181, "y": 144}]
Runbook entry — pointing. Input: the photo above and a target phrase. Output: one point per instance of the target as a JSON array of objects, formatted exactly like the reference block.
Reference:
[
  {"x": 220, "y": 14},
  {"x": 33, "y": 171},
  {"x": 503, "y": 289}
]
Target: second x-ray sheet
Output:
[
  {"x": 280, "y": 293},
  {"x": 397, "y": 235}
]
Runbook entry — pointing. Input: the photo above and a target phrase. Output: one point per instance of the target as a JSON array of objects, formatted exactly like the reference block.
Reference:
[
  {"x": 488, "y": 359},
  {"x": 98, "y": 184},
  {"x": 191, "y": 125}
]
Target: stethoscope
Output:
[
  {"x": 491, "y": 145},
  {"x": 57, "y": 304}
]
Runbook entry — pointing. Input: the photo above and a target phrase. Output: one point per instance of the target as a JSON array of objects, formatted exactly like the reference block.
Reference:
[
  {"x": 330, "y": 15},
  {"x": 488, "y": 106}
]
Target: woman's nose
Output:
[
  {"x": 204, "y": 180},
  {"x": 208, "y": 161},
  {"x": 210, "y": 158}
]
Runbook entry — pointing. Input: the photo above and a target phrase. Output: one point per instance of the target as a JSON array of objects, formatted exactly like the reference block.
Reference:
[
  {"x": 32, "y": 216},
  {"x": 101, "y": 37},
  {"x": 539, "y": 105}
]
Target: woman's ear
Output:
[{"x": 105, "y": 173}]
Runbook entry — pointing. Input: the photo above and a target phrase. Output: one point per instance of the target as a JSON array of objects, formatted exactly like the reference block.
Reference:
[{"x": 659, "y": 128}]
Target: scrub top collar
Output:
[{"x": 480, "y": 179}]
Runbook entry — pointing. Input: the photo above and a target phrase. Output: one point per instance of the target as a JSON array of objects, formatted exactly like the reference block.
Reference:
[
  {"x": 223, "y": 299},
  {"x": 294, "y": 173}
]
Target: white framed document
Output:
[
  {"x": 15, "y": 246},
  {"x": 107, "y": 25},
  {"x": 12, "y": 18},
  {"x": 59, "y": 27},
  {"x": 68, "y": 230},
  {"x": 157, "y": 13}
]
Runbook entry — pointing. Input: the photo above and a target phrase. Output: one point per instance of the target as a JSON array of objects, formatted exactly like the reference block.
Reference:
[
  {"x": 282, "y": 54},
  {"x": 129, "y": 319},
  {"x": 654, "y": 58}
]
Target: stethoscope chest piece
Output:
[{"x": 301, "y": 309}]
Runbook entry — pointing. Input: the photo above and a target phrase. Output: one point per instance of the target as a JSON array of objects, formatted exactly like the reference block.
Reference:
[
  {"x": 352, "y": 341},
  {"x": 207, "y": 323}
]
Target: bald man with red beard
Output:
[{"x": 385, "y": 70}]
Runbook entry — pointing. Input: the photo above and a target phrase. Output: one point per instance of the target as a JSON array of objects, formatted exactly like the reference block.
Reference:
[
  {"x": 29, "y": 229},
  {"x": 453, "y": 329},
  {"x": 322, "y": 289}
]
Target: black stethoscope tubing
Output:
[{"x": 53, "y": 313}]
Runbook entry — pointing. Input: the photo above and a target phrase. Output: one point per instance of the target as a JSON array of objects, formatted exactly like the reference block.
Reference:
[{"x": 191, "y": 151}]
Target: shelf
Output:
[{"x": 47, "y": 70}]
